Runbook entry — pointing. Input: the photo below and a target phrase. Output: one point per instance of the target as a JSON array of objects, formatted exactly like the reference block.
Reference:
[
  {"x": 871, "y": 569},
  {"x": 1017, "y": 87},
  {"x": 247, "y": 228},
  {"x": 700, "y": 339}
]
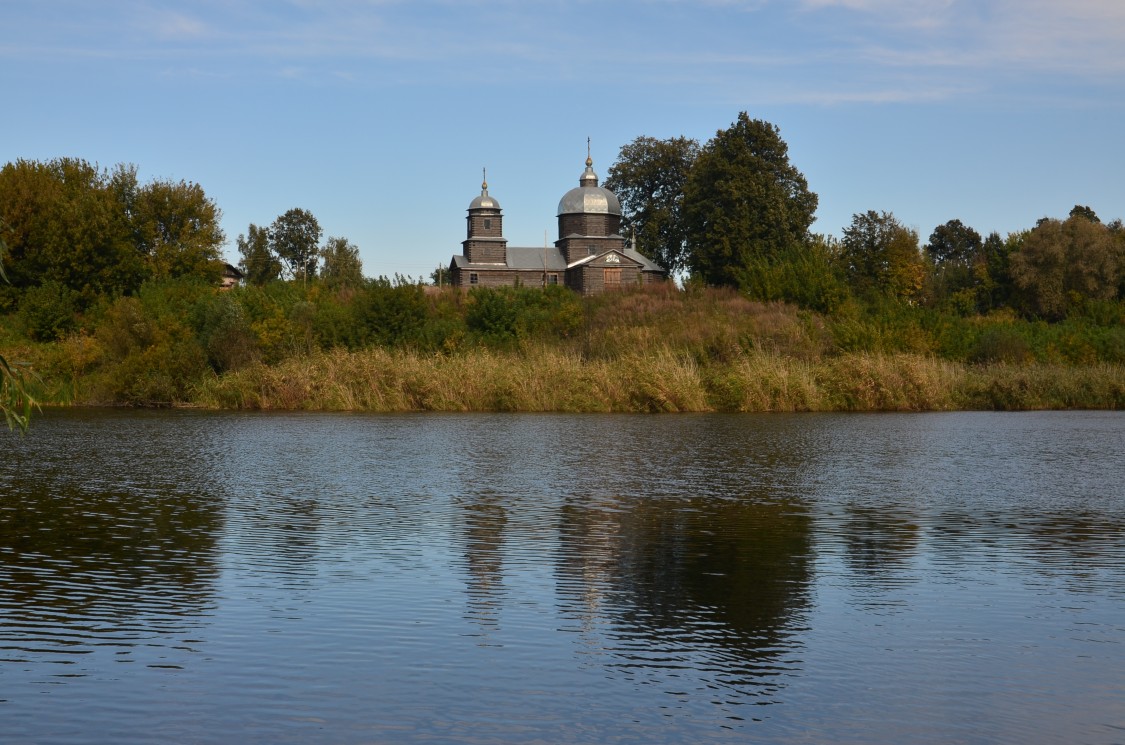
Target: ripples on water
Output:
[{"x": 203, "y": 577}]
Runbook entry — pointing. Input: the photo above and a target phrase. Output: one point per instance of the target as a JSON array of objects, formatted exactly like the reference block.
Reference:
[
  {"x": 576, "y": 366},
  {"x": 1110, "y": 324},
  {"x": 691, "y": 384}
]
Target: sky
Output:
[{"x": 378, "y": 116}]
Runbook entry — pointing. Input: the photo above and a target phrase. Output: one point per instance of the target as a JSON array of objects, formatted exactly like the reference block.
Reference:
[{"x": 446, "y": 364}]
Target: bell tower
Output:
[{"x": 484, "y": 242}]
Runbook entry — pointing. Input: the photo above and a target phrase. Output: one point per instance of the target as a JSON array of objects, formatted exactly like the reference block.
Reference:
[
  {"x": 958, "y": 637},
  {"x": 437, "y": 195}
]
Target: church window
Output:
[
  {"x": 473, "y": 278},
  {"x": 488, "y": 223},
  {"x": 552, "y": 279},
  {"x": 593, "y": 249}
]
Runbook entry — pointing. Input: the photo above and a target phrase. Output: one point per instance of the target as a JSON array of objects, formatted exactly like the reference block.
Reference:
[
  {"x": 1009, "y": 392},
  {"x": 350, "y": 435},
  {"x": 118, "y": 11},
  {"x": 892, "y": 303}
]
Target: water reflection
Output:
[
  {"x": 714, "y": 585},
  {"x": 514, "y": 578},
  {"x": 484, "y": 521},
  {"x": 103, "y": 550}
]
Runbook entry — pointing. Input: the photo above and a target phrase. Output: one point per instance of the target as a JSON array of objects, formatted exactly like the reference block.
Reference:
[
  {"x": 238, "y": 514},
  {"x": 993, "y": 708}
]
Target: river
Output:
[{"x": 220, "y": 577}]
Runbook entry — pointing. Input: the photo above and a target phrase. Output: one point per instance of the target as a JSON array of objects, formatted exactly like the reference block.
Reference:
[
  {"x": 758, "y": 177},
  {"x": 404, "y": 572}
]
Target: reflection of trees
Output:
[
  {"x": 101, "y": 543},
  {"x": 1079, "y": 548},
  {"x": 122, "y": 565},
  {"x": 724, "y": 580},
  {"x": 878, "y": 546},
  {"x": 1076, "y": 539},
  {"x": 878, "y": 539},
  {"x": 484, "y": 536}
]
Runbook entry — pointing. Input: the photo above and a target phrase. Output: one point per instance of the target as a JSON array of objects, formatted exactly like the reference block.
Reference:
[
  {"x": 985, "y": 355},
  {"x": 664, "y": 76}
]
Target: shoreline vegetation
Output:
[
  {"x": 660, "y": 381},
  {"x": 283, "y": 347}
]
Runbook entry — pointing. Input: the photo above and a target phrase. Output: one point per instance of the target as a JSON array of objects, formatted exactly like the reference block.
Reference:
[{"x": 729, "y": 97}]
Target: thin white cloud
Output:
[
  {"x": 1076, "y": 36},
  {"x": 178, "y": 26}
]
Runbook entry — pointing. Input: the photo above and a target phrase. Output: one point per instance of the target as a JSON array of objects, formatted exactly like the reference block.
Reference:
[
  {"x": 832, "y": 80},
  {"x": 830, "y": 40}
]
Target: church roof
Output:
[
  {"x": 589, "y": 198},
  {"x": 647, "y": 264},
  {"x": 523, "y": 259},
  {"x": 485, "y": 201}
]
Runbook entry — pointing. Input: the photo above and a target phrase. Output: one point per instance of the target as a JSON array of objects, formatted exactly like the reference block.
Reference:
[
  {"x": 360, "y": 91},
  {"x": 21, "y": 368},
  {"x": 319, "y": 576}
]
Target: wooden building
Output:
[{"x": 590, "y": 255}]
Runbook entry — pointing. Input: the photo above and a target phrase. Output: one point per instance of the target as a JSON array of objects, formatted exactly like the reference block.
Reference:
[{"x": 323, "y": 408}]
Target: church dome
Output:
[
  {"x": 485, "y": 201},
  {"x": 589, "y": 198}
]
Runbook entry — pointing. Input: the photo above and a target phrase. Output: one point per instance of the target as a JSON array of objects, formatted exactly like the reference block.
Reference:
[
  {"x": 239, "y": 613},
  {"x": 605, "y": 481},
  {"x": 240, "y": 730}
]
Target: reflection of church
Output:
[{"x": 589, "y": 257}]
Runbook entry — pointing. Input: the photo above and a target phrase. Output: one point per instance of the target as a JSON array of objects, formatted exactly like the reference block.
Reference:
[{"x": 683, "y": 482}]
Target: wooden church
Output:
[{"x": 590, "y": 256}]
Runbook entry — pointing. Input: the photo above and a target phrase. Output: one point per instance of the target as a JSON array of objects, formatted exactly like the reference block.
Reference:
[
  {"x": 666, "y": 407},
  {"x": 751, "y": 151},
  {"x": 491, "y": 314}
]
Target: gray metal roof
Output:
[
  {"x": 536, "y": 258},
  {"x": 648, "y": 264},
  {"x": 633, "y": 255},
  {"x": 461, "y": 262},
  {"x": 589, "y": 198},
  {"x": 484, "y": 202},
  {"x": 524, "y": 259}
]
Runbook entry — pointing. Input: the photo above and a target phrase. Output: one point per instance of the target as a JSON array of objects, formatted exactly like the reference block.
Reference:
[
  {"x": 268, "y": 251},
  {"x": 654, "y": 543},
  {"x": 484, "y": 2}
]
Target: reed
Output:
[
  {"x": 1006, "y": 387},
  {"x": 896, "y": 382},
  {"x": 660, "y": 380},
  {"x": 477, "y": 380}
]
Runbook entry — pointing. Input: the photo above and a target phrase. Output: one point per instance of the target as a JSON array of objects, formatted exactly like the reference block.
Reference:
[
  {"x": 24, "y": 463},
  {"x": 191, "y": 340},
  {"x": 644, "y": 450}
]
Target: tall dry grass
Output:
[
  {"x": 660, "y": 380},
  {"x": 477, "y": 380}
]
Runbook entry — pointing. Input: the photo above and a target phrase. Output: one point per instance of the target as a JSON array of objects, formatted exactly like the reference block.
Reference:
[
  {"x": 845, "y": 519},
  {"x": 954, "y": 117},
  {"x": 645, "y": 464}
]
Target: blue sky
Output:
[{"x": 378, "y": 115}]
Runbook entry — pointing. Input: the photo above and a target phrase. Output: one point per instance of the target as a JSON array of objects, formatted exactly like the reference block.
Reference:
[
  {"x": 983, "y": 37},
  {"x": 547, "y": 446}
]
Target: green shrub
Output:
[
  {"x": 391, "y": 314},
  {"x": 1001, "y": 344},
  {"x": 223, "y": 331},
  {"x": 149, "y": 359},
  {"x": 47, "y": 312},
  {"x": 494, "y": 314}
]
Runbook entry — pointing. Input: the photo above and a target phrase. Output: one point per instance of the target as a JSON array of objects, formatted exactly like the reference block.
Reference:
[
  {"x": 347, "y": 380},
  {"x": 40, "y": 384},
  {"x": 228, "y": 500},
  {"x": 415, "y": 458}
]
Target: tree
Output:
[
  {"x": 1081, "y": 210},
  {"x": 804, "y": 275},
  {"x": 441, "y": 276},
  {"x": 994, "y": 289},
  {"x": 294, "y": 238},
  {"x": 743, "y": 200},
  {"x": 259, "y": 263},
  {"x": 953, "y": 244},
  {"x": 342, "y": 265},
  {"x": 1063, "y": 263},
  {"x": 176, "y": 229},
  {"x": 954, "y": 249},
  {"x": 648, "y": 178},
  {"x": 66, "y": 221},
  {"x": 878, "y": 253}
]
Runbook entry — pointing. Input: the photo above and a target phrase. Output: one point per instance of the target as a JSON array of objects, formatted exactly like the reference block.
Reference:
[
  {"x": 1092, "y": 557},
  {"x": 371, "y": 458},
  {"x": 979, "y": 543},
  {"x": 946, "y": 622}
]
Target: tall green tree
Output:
[
  {"x": 1061, "y": 264},
  {"x": 954, "y": 249},
  {"x": 648, "y": 178},
  {"x": 994, "y": 289},
  {"x": 880, "y": 254},
  {"x": 342, "y": 266},
  {"x": 259, "y": 264},
  {"x": 743, "y": 200},
  {"x": 1081, "y": 210},
  {"x": 295, "y": 238},
  {"x": 176, "y": 229},
  {"x": 65, "y": 221}
]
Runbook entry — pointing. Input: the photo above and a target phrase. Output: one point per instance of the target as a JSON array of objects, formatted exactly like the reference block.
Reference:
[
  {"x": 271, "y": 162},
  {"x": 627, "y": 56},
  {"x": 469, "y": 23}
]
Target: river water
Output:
[{"x": 203, "y": 577}]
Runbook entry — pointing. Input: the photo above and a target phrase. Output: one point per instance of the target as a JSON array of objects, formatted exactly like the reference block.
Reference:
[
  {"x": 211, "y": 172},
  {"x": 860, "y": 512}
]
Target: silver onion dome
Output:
[
  {"x": 485, "y": 201},
  {"x": 588, "y": 197}
]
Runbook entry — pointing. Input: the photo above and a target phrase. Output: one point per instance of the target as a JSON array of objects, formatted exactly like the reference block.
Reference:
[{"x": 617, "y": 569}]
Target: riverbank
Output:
[
  {"x": 400, "y": 348},
  {"x": 382, "y": 380}
]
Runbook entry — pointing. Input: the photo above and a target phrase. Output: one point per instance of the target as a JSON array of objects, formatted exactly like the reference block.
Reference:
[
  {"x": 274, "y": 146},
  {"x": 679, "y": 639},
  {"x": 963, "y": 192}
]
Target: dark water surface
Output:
[{"x": 196, "y": 577}]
